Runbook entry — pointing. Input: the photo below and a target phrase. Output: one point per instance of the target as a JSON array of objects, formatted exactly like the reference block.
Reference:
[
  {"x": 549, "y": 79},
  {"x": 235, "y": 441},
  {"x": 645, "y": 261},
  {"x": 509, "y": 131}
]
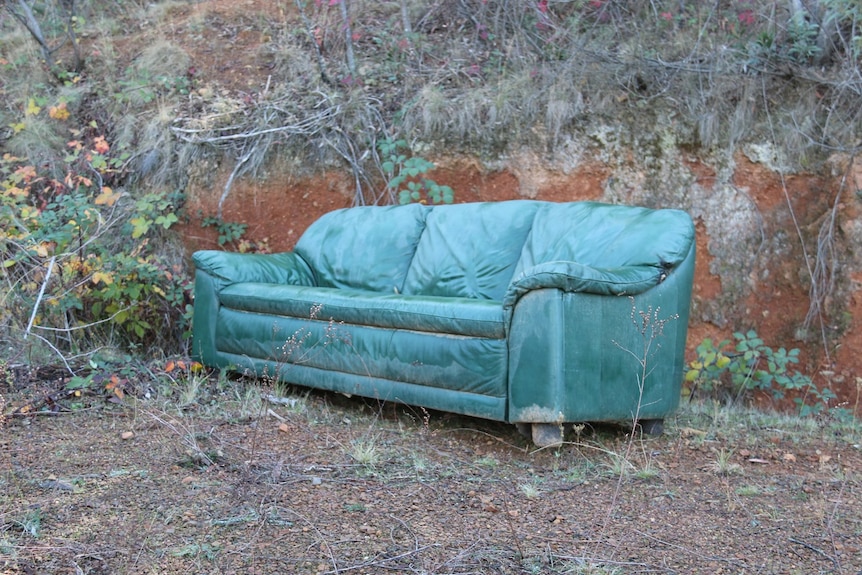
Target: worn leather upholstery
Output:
[{"x": 520, "y": 311}]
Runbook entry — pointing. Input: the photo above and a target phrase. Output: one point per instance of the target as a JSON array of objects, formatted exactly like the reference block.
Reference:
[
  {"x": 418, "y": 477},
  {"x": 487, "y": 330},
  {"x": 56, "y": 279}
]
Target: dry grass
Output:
[{"x": 475, "y": 76}]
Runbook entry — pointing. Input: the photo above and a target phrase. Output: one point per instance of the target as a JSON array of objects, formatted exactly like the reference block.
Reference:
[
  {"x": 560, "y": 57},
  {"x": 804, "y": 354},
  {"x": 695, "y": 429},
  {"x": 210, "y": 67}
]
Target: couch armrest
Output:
[
  {"x": 574, "y": 277},
  {"x": 229, "y": 268},
  {"x": 216, "y": 270}
]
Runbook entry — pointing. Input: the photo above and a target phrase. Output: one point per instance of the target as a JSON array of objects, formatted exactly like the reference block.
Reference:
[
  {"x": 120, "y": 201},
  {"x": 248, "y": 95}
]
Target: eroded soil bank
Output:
[{"x": 752, "y": 270}]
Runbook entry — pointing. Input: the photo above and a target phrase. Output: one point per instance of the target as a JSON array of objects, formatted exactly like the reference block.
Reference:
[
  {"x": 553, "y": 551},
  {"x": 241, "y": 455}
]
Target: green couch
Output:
[{"x": 529, "y": 312}]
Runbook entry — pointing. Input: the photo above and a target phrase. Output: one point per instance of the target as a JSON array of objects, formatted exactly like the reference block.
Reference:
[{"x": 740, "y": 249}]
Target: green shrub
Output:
[
  {"x": 751, "y": 365},
  {"x": 405, "y": 176}
]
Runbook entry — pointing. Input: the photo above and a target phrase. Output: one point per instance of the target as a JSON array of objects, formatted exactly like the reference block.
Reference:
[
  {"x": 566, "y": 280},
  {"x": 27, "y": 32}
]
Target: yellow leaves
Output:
[
  {"x": 115, "y": 386},
  {"x": 73, "y": 181},
  {"x": 100, "y": 146},
  {"x": 25, "y": 174},
  {"x": 16, "y": 192},
  {"x": 32, "y": 109},
  {"x": 140, "y": 226},
  {"x": 28, "y": 212},
  {"x": 192, "y": 366},
  {"x": 102, "y": 277},
  {"x": 59, "y": 112},
  {"x": 43, "y": 249},
  {"x": 108, "y": 197}
]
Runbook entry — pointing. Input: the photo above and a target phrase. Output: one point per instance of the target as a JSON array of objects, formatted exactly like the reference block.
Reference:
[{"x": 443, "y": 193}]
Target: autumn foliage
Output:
[{"x": 77, "y": 254}]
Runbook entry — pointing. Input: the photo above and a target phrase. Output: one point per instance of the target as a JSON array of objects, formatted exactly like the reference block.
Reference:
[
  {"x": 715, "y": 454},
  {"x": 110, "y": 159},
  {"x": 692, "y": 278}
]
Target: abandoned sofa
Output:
[{"x": 522, "y": 311}]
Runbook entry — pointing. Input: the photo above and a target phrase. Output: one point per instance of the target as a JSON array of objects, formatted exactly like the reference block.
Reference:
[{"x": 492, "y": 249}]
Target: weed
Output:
[
  {"x": 80, "y": 258},
  {"x": 420, "y": 464},
  {"x": 647, "y": 471},
  {"x": 724, "y": 464},
  {"x": 248, "y": 403},
  {"x": 228, "y": 232},
  {"x": 189, "y": 392},
  {"x": 529, "y": 490},
  {"x": 618, "y": 465},
  {"x": 488, "y": 461},
  {"x": 205, "y": 551},
  {"x": 580, "y": 472},
  {"x": 30, "y": 523},
  {"x": 365, "y": 452},
  {"x": 405, "y": 176},
  {"x": 748, "y": 490},
  {"x": 582, "y": 566}
]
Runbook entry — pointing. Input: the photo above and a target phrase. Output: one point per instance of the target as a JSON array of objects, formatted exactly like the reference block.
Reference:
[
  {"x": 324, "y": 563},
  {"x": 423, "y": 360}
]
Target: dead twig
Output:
[{"x": 816, "y": 550}]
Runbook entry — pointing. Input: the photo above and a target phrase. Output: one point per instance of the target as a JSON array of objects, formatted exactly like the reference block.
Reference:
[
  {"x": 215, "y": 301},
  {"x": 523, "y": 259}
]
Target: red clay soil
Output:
[{"x": 279, "y": 209}]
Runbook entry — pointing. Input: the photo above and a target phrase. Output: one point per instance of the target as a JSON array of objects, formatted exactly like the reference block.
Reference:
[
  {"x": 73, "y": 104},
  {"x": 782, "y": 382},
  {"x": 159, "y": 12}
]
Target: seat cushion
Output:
[
  {"x": 455, "y": 316},
  {"x": 368, "y": 248},
  {"x": 473, "y": 365},
  {"x": 470, "y": 250}
]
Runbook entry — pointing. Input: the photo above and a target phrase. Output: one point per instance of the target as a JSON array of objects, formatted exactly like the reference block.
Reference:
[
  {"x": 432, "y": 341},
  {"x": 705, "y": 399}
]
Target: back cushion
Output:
[
  {"x": 470, "y": 250},
  {"x": 367, "y": 248},
  {"x": 608, "y": 236}
]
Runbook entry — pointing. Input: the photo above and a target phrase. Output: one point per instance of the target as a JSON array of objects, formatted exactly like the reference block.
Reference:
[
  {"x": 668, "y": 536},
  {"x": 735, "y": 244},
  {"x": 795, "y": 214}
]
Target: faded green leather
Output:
[
  {"x": 457, "y": 316},
  {"x": 470, "y": 250},
  {"x": 520, "y": 311},
  {"x": 366, "y": 248}
]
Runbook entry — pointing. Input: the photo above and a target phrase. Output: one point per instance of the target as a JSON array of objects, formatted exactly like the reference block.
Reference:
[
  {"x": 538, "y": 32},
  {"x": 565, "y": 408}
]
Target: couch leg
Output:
[
  {"x": 654, "y": 427},
  {"x": 525, "y": 429},
  {"x": 547, "y": 434}
]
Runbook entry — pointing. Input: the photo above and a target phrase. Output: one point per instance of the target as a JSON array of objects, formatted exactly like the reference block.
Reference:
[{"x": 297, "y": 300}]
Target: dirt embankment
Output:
[{"x": 764, "y": 235}]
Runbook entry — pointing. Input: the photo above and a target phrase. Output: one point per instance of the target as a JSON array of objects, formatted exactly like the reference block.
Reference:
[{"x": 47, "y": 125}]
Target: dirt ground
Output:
[{"x": 215, "y": 479}]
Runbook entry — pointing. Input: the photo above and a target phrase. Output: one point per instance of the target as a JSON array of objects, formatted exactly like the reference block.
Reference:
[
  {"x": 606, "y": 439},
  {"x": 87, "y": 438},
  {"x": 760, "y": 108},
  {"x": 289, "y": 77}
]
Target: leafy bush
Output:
[
  {"x": 81, "y": 262},
  {"x": 751, "y": 365}
]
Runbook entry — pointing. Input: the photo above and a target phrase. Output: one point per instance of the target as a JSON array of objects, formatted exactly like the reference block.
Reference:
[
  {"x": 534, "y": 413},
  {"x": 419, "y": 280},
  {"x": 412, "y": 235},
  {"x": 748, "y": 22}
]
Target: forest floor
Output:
[{"x": 230, "y": 476}]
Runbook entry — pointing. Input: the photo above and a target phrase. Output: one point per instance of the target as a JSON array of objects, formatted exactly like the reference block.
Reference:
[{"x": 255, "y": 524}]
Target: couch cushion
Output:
[
  {"x": 473, "y": 365},
  {"x": 470, "y": 250},
  {"x": 367, "y": 248},
  {"x": 607, "y": 236},
  {"x": 455, "y": 316}
]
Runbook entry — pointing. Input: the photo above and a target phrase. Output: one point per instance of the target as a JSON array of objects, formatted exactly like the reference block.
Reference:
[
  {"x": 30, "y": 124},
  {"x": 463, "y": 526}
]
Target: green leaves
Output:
[
  {"x": 751, "y": 365},
  {"x": 405, "y": 176},
  {"x": 228, "y": 232}
]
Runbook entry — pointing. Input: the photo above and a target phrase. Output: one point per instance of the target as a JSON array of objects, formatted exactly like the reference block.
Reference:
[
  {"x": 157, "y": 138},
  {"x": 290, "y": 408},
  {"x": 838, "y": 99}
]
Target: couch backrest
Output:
[
  {"x": 368, "y": 247},
  {"x": 607, "y": 236},
  {"x": 470, "y": 250},
  {"x": 474, "y": 250}
]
